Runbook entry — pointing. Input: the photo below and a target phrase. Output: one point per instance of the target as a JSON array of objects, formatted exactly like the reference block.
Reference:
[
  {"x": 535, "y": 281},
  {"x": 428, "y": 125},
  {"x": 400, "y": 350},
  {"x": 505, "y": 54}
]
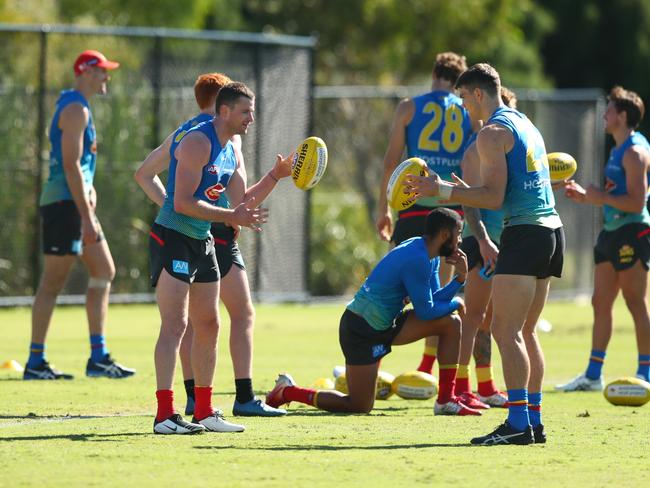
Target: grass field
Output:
[{"x": 98, "y": 432}]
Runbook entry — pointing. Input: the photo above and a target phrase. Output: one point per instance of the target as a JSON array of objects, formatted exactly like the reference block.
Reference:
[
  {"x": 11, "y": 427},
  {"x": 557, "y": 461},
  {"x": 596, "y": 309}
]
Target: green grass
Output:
[{"x": 97, "y": 432}]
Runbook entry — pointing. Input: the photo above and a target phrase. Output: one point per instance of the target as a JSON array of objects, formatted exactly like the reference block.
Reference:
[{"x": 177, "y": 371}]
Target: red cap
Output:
[{"x": 92, "y": 58}]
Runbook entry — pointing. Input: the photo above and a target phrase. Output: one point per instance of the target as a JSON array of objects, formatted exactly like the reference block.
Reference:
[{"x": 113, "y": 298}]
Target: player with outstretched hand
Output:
[
  {"x": 622, "y": 252},
  {"x": 375, "y": 320}
]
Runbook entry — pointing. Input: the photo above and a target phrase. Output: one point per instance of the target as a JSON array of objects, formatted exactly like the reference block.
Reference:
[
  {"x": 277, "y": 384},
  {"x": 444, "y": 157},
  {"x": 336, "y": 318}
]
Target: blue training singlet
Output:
[
  {"x": 528, "y": 197},
  {"x": 215, "y": 177},
  {"x": 406, "y": 271},
  {"x": 616, "y": 184},
  {"x": 438, "y": 134},
  {"x": 56, "y": 186},
  {"x": 492, "y": 219}
]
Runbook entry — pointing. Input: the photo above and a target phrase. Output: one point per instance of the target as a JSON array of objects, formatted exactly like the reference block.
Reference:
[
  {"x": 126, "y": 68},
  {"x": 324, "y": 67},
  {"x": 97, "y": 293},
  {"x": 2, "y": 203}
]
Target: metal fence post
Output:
[
  {"x": 259, "y": 134},
  {"x": 40, "y": 131}
]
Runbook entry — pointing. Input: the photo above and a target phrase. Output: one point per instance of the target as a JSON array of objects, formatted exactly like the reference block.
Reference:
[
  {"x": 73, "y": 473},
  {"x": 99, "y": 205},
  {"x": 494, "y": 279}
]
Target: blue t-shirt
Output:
[
  {"x": 438, "y": 134},
  {"x": 215, "y": 177},
  {"x": 492, "y": 219},
  {"x": 616, "y": 184},
  {"x": 406, "y": 271},
  {"x": 528, "y": 197},
  {"x": 56, "y": 186}
]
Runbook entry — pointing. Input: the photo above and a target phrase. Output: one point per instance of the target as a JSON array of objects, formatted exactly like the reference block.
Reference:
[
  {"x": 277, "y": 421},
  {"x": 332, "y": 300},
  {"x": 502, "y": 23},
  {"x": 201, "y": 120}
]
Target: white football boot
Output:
[
  {"x": 217, "y": 423},
  {"x": 498, "y": 399},
  {"x": 176, "y": 425},
  {"x": 454, "y": 407},
  {"x": 582, "y": 383},
  {"x": 275, "y": 397}
]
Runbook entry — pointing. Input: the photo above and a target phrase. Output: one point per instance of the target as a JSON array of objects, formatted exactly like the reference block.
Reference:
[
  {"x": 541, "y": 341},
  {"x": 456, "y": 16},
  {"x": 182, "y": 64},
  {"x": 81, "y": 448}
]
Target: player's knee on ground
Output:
[{"x": 361, "y": 405}]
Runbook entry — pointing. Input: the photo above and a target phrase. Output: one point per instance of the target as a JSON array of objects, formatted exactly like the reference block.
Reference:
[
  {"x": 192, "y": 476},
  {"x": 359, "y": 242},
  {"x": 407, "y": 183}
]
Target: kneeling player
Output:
[{"x": 374, "y": 320}]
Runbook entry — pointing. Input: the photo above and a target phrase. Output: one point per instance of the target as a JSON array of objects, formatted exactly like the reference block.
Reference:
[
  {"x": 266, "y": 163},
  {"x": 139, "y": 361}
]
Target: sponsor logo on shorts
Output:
[
  {"x": 378, "y": 350},
  {"x": 181, "y": 267},
  {"x": 213, "y": 193},
  {"x": 626, "y": 254}
]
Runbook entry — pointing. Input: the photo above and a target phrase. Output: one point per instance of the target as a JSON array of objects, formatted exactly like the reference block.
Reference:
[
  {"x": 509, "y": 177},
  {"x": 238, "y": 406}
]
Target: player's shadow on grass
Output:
[
  {"x": 74, "y": 437},
  {"x": 303, "y": 447}
]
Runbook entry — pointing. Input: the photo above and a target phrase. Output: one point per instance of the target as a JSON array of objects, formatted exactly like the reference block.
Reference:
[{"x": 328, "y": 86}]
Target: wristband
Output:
[
  {"x": 270, "y": 173},
  {"x": 444, "y": 189}
]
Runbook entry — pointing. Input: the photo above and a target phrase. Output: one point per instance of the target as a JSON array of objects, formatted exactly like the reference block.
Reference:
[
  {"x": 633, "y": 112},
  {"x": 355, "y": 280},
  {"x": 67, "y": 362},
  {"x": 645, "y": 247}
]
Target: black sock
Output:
[
  {"x": 189, "y": 388},
  {"x": 244, "y": 388}
]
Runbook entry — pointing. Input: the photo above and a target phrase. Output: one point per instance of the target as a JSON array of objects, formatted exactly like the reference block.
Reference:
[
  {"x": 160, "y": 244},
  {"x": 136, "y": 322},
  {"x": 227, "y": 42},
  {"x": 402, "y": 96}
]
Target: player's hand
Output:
[
  {"x": 574, "y": 191},
  {"x": 459, "y": 181},
  {"x": 461, "y": 308},
  {"x": 384, "y": 226},
  {"x": 422, "y": 186},
  {"x": 90, "y": 231},
  {"x": 247, "y": 215},
  {"x": 282, "y": 167},
  {"x": 459, "y": 260},
  {"x": 559, "y": 185},
  {"x": 489, "y": 252}
]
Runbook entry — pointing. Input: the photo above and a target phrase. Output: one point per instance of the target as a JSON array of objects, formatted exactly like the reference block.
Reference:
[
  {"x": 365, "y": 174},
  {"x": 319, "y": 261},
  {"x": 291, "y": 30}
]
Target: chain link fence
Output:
[{"x": 149, "y": 96}]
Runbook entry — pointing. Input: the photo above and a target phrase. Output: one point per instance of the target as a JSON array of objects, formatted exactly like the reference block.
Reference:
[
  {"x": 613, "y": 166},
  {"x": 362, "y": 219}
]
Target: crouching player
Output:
[{"x": 374, "y": 321}]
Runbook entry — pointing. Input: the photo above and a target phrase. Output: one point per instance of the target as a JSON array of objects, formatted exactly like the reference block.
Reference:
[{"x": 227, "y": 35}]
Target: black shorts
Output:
[
  {"x": 471, "y": 248},
  {"x": 410, "y": 222},
  {"x": 226, "y": 248},
  {"x": 361, "y": 344},
  {"x": 623, "y": 246},
  {"x": 531, "y": 250},
  {"x": 61, "y": 228},
  {"x": 186, "y": 259}
]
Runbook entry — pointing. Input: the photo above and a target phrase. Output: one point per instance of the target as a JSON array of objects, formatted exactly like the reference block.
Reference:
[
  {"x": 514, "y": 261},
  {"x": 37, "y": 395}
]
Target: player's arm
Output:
[
  {"x": 636, "y": 162},
  {"x": 147, "y": 174},
  {"x": 493, "y": 142},
  {"x": 281, "y": 169},
  {"x": 192, "y": 154},
  {"x": 392, "y": 157},
  {"x": 73, "y": 122},
  {"x": 416, "y": 279},
  {"x": 471, "y": 166}
]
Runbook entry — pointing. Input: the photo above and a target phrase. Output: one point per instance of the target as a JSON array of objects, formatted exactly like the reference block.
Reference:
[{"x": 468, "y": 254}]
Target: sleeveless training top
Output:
[
  {"x": 528, "y": 197},
  {"x": 438, "y": 134},
  {"x": 216, "y": 174},
  {"x": 56, "y": 186},
  {"x": 616, "y": 184}
]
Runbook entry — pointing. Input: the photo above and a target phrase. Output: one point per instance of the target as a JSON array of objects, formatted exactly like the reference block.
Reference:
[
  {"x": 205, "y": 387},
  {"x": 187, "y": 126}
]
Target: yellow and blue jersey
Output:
[
  {"x": 56, "y": 187},
  {"x": 438, "y": 133},
  {"x": 406, "y": 271},
  {"x": 215, "y": 177},
  {"x": 616, "y": 184},
  {"x": 528, "y": 196},
  {"x": 492, "y": 219}
]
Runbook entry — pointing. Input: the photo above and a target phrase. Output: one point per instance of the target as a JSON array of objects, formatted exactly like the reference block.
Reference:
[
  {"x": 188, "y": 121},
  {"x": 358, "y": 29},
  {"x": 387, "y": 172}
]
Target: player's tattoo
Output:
[
  {"x": 483, "y": 348},
  {"x": 473, "y": 219}
]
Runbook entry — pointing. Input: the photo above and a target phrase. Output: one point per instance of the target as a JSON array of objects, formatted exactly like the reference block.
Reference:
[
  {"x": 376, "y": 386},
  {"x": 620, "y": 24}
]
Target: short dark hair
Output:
[
  {"x": 629, "y": 102},
  {"x": 439, "y": 219},
  {"x": 230, "y": 93},
  {"x": 449, "y": 66},
  {"x": 482, "y": 76}
]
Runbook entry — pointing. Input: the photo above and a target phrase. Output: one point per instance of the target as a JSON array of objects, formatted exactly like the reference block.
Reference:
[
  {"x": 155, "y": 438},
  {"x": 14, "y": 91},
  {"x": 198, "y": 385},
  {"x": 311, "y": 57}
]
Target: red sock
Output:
[
  {"x": 428, "y": 359},
  {"x": 486, "y": 386},
  {"x": 165, "y": 400},
  {"x": 447, "y": 382},
  {"x": 203, "y": 402},
  {"x": 297, "y": 394},
  {"x": 462, "y": 380}
]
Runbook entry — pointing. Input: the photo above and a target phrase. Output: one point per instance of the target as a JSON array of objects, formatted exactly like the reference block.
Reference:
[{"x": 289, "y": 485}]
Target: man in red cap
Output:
[{"x": 70, "y": 226}]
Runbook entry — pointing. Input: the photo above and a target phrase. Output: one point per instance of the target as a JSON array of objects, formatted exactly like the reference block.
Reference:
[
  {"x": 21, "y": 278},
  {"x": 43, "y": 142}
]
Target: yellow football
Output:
[
  {"x": 322, "y": 384},
  {"x": 397, "y": 199},
  {"x": 309, "y": 163},
  {"x": 415, "y": 385},
  {"x": 382, "y": 392},
  {"x": 629, "y": 391},
  {"x": 561, "y": 166}
]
